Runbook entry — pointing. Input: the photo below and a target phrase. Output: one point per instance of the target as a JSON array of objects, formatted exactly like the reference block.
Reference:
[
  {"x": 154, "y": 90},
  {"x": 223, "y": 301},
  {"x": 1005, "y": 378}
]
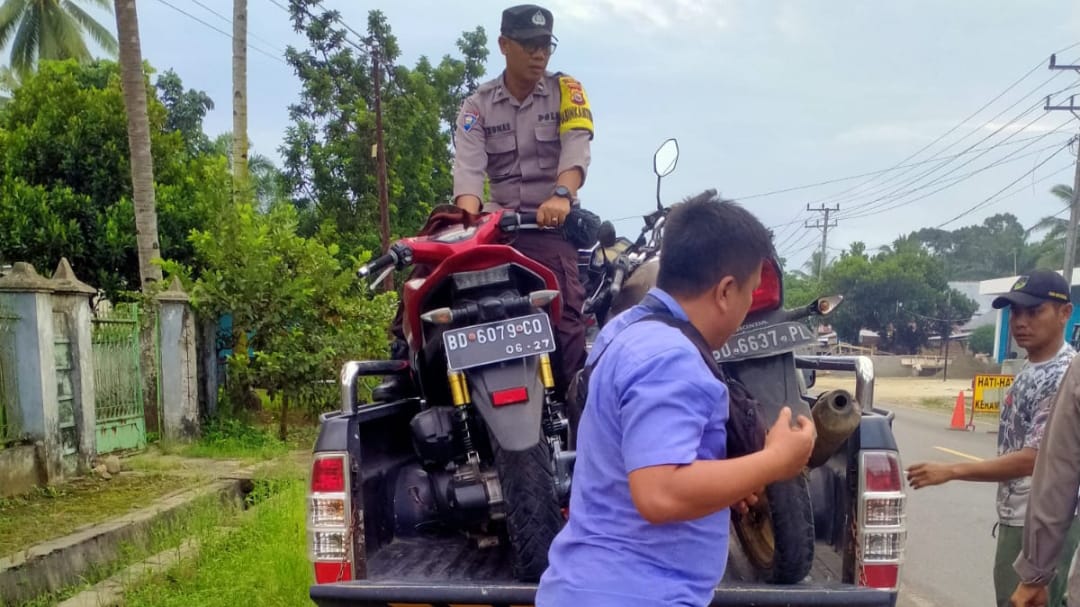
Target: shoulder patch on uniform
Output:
[
  {"x": 574, "y": 110},
  {"x": 469, "y": 120}
]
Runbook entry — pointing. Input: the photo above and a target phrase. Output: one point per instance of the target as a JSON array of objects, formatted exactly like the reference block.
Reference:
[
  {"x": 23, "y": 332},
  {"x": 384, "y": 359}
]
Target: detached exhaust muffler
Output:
[{"x": 836, "y": 415}]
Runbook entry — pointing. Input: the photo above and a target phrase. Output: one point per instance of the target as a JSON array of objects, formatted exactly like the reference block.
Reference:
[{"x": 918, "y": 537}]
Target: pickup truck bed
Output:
[{"x": 449, "y": 569}]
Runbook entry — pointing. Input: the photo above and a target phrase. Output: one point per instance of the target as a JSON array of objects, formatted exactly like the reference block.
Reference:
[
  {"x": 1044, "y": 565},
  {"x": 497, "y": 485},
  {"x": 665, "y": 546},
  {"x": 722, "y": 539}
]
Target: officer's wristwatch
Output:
[{"x": 563, "y": 192}]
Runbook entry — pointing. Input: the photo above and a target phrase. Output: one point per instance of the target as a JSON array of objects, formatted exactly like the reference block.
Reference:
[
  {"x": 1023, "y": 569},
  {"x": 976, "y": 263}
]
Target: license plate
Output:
[
  {"x": 498, "y": 341},
  {"x": 764, "y": 341}
]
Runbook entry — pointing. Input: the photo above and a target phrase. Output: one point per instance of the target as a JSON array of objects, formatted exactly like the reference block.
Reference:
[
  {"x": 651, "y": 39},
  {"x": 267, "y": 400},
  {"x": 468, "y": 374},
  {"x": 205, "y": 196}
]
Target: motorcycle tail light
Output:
[
  {"x": 511, "y": 396},
  {"x": 768, "y": 295}
]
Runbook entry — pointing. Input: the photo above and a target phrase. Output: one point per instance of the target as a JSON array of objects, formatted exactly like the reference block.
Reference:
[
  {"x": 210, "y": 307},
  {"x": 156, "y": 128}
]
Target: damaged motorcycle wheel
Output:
[{"x": 777, "y": 533}]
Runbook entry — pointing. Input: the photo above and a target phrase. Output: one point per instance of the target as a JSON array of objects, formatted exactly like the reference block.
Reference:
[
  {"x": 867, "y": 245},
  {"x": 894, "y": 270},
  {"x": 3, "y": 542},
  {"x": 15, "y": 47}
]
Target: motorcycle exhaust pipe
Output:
[{"x": 836, "y": 415}]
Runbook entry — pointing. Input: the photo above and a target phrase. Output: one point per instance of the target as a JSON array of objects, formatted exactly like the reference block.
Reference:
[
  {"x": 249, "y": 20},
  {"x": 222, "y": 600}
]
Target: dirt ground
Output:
[{"x": 924, "y": 391}]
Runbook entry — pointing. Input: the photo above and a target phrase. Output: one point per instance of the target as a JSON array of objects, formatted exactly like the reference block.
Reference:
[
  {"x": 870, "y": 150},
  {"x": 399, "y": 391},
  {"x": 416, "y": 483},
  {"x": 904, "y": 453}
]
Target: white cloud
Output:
[
  {"x": 1045, "y": 124},
  {"x": 648, "y": 13},
  {"x": 791, "y": 22}
]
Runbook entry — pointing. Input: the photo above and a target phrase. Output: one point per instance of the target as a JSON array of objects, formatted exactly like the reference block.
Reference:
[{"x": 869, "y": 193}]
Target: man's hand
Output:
[
  {"x": 749, "y": 501},
  {"x": 1030, "y": 595},
  {"x": 791, "y": 446},
  {"x": 553, "y": 212},
  {"x": 929, "y": 474}
]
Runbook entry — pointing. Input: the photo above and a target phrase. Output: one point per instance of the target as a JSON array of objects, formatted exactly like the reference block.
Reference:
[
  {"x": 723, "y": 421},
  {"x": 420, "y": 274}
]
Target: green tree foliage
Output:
[
  {"x": 65, "y": 185},
  {"x": 902, "y": 294},
  {"x": 982, "y": 340},
  {"x": 186, "y": 110},
  {"x": 329, "y": 165},
  {"x": 51, "y": 30},
  {"x": 298, "y": 312}
]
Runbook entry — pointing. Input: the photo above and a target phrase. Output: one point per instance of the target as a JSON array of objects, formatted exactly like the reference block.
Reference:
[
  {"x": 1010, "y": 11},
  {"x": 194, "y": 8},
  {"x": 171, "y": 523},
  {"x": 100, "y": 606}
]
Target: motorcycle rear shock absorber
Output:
[
  {"x": 553, "y": 422},
  {"x": 459, "y": 392}
]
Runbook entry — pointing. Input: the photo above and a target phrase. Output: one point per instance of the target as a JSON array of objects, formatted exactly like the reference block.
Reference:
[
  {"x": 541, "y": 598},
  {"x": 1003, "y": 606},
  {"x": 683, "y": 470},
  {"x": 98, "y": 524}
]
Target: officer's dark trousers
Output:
[{"x": 552, "y": 250}]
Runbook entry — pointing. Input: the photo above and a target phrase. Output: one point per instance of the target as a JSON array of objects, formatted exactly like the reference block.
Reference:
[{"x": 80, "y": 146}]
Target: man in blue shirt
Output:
[{"x": 649, "y": 508}]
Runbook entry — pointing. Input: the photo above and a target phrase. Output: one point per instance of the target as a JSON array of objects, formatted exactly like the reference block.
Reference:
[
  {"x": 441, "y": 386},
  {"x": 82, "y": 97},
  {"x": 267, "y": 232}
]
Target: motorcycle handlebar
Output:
[{"x": 377, "y": 265}]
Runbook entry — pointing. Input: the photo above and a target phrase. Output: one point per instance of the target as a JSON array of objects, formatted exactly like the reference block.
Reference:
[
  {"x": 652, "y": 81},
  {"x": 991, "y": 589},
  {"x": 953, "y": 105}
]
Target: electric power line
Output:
[
  {"x": 969, "y": 134},
  {"x": 989, "y": 199},
  {"x": 220, "y": 31},
  {"x": 229, "y": 21},
  {"x": 866, "y": 174},
  {"x": 956, "y": 180},
  {"x": 973, "y": 114}
]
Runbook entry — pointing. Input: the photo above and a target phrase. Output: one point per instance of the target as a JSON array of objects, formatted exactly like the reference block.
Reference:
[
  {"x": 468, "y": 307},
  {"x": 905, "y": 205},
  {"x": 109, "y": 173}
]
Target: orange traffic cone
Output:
[{"x": 958, "y": 422}]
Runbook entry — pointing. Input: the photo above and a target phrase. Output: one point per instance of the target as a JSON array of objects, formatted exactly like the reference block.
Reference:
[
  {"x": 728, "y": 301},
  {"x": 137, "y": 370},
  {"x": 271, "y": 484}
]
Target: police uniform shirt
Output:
[{"x": 521, "y": 147}]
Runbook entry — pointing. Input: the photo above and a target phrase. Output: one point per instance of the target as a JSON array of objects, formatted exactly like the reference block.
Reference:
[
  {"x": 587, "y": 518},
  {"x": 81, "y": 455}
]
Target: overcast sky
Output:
[{"x": 762, "y": 95}]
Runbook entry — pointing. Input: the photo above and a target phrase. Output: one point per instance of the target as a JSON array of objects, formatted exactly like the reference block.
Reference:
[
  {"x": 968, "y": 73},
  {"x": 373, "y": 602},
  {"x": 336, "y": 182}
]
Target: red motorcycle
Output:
[{"x": 489, "y": 435}]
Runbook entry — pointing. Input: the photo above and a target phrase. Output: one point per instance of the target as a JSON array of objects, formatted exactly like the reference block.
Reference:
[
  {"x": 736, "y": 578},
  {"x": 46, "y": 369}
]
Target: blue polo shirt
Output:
[{"x": 652, "y": 401}]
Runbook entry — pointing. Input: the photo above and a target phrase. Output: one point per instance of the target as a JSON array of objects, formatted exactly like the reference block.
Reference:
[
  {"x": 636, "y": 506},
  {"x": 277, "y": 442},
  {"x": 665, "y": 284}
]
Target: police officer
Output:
[{"x": 527, "y": 132}]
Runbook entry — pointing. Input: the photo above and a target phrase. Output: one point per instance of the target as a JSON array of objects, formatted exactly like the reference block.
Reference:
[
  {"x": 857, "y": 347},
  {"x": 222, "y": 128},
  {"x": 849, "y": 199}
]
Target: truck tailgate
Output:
[
  {"x": 459, "y": 594},
  {"x": 448, "y": 571}
]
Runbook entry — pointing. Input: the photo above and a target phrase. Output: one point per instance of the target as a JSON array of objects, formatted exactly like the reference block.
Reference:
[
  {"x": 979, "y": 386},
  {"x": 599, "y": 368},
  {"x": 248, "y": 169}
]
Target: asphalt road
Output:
[{"x": 950, "y": 549}]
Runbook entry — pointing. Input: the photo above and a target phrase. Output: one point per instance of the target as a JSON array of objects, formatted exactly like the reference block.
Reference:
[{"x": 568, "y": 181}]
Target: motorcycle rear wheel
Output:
[
  {"x": 533, "y": 515},
  {"x": 778, "y": 532}
]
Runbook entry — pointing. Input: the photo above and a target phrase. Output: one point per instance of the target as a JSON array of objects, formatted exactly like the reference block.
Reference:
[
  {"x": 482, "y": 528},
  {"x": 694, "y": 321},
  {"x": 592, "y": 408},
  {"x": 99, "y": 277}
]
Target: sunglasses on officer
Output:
[{"x": 543, "y": 43}]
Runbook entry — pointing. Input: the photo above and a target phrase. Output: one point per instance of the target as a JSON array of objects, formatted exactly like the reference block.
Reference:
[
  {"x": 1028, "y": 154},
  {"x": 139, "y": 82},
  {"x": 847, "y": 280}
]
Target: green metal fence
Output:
[
  {"x": 9, "y": 393},
  {"x": 118, "y": 381},
  {"x": 65, "y": 386}
]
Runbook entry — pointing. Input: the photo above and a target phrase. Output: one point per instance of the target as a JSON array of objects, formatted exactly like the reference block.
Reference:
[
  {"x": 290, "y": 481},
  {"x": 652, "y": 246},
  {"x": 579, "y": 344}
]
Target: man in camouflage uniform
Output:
[
  {"x": 1039, "y": 306},
  {"x": 528, "y": 133}
]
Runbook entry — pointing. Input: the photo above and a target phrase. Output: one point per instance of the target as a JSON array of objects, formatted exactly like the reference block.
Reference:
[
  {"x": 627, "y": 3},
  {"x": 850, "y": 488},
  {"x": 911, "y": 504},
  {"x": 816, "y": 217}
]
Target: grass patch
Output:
[
  {"x": 262, "y": 562},
  {"x": 200, "y": 518},
  {"x": 232, "y": 439},
  {"x": 61, "y": 509},
  {"x": 937, "y": 402}
]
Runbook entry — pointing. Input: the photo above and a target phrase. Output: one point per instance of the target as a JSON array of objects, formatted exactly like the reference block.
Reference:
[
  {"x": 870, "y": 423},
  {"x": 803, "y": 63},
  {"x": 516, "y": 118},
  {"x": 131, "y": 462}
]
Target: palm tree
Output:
[
  {"x": 50, "y": 29},
  {"x": 240, "y": 118},
  {"x": 1056, "y": 228},
  {"x": 9, "y": 81},
  {"x": 133, "y": 83}
]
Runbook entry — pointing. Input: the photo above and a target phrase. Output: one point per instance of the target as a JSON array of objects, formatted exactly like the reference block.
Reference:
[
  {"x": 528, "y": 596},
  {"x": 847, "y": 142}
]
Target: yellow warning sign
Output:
[{"x": 990, "y": 391}]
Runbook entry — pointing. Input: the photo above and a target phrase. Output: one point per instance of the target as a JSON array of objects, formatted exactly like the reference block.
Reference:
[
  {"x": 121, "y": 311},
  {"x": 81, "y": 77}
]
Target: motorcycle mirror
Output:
[
  {"x": 825, "y": 305},
  {"x": 606, "y": 235},
  {"x": 664, "y": 161},
  {"x": 666, "y": 157}
]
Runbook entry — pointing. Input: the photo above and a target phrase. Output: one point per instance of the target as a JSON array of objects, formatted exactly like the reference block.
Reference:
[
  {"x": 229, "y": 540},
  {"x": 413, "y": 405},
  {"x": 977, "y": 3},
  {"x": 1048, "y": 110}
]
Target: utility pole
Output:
[
  {"x": 380, "y": 161},
  {"x": 948, "y": 334},
  {"x": 824, "y": 225},
  {"x": 1074, "y": 205}
]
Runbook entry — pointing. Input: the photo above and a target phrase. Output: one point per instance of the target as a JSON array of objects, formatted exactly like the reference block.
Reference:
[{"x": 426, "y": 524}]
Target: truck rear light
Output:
[
  {"x": 329, "y": 518},
  {"x": 327, "y": 573},
  {"x": 881, "y": 471},
  {"x": 880, "y": 576},
  {"x": 326, "y": 511},
  {"x": 883, "y": 545},
  {"x": 328, "y": 474},
  {"x": 882, "y": 521},
  {"x": 884, "y": 511},
  {"x": 328, "y": 545},
  {"x": 768, "y": 295}
]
